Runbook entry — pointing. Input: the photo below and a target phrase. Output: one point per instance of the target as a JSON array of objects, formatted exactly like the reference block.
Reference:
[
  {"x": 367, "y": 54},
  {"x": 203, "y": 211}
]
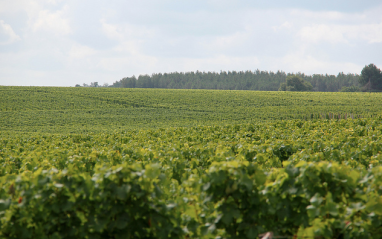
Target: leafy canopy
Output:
[
  {"x": 295, "y": 83},
  {"x": 371, "y": 78}
]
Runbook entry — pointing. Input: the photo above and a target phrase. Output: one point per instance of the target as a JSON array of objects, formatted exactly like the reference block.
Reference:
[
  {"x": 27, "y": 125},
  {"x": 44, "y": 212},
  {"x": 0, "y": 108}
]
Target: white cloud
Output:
[
  {"x": 284, "y": 25},
  {"x": 339, "y": 28},
  {"x": 322, "y": 16},
  {"x": 317, "y": 33},
  {"x": 7, "y": 33},
  {"x": 128, "y": 47},
  {"x": 54, "y": 2},
  {"x": 79, "y": 51},
  {"x": 111, "y": 31},
  {"x": 74, "y": 41},
  {"x": 221, "y": 43},
  {"x": 126, "y": 31},
  {"x": 53, "y": 22},
  {"x": 218, "y": 63},
  {"x": 138, "y": 63},
  {"x": 41, "y": 15},
  {"x": 370, "y": 33},
  {"x": 312, "y": 65}
]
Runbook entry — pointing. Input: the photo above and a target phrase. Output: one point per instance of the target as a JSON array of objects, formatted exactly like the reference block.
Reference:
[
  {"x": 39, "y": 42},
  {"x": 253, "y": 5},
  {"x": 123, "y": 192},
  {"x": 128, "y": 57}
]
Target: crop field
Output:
[
  {"x": 150, "y": 163},
  {"x": 74, "y": 110}
]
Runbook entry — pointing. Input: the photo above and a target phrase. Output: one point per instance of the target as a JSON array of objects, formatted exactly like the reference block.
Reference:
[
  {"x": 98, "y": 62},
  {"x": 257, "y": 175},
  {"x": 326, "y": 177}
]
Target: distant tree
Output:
[
  {"x": 283, "y": 87},
  {"x": 350, "y": 89},
  {"x": 144, "y": 81},
  {"x": 371, "y": 78},
  {"x": 105, "y": 85},
  {"x": 78, "y": 85},
  {"x": 295, "y": 83},
  {"x": 130, "y": 82},
  {"x": 94, "y": 84},
  {"x": 231, "y": 80}
]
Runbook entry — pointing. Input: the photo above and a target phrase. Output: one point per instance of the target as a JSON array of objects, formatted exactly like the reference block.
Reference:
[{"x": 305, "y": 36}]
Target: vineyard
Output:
[
  {"x": 145, "y": 163},
  {"x": 74, "y": 110}
]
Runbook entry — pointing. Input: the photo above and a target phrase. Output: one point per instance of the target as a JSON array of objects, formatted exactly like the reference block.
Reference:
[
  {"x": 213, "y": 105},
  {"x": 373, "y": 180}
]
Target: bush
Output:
[
  {"x": 350, "y": 89},
  {"x": 117, "y": 202},
  {"x": 295, "y": 83}
]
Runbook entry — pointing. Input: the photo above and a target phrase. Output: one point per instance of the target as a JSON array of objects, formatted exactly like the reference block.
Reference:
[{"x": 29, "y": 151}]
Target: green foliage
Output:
[
  {"x": 87, "y": 109},
  {"x": 295, "y": 83},
  {"x": 371, "y": 78},
  {"x": 248, "y": 80},
  {"x": 350, "y": 89},
  {"x": 116, "y": 202},
  {"x": 235, "y": 188},
  {"x": 89, "y": 171},
  {"x": 356, "y": 143},
  {"x": 197, "y": 182},
  {"x": 309, "y": 200}
]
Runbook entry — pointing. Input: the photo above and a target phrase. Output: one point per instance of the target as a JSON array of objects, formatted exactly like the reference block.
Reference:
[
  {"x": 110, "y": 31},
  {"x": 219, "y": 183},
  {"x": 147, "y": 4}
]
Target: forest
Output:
[{"x": 236, "y": 80}]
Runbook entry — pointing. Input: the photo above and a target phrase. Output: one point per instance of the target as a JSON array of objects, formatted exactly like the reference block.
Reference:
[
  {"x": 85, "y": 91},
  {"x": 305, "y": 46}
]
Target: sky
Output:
[{"x": 69, "y": 42}]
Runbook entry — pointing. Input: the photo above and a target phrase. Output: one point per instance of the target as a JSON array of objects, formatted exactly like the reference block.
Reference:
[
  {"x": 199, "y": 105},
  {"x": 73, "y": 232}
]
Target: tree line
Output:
[
  {"x": 370, "y": 79},
  {"x": 233, "y": 80}
]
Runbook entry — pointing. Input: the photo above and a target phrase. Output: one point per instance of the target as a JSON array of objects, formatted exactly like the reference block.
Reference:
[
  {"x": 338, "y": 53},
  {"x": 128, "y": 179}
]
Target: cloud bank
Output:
[{"x": 62, "y": 43}]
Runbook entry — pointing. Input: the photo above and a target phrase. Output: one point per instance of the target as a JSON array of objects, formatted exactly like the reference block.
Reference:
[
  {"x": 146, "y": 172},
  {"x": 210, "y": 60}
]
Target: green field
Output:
[
  {"x": 155, "y": 163},
  {"x": 63, "y": 110}
]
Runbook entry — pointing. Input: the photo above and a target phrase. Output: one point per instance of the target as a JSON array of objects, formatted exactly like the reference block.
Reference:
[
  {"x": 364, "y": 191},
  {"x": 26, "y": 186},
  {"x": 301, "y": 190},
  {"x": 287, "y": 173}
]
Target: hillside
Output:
[
  {"x": 155, "y": 163},
  {"x": 47, "y": 109}
]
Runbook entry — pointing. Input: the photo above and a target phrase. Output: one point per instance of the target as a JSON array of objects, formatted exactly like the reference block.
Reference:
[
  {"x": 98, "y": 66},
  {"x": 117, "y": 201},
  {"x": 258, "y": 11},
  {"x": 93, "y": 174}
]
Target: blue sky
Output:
[{"x": 62, "y": 43}]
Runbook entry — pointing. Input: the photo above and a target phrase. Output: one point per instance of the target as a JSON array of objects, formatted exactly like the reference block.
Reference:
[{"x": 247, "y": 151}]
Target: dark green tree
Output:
[
  {"x": 236, "y": 80},
  {"x": 371, "y": 78},
  {"x": 350, "y": 89},
  {"x": 94, "y": 84},
  {"x": 129, "y": 82},
  {"x": 295, "y": 83}
]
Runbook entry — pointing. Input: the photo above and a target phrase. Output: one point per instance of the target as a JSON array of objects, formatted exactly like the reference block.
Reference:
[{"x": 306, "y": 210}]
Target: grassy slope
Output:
[{"x": 75, "y": 110}]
